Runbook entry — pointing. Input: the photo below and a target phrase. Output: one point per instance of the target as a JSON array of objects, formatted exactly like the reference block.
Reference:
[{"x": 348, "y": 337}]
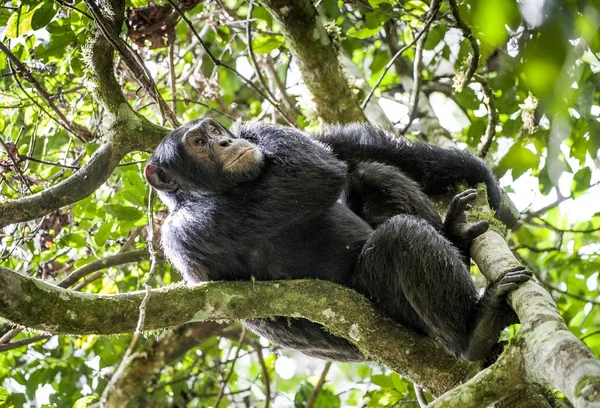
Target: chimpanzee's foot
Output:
[
  {"x": 510, "y": 279},
  {"x": 493, "y": 314}
]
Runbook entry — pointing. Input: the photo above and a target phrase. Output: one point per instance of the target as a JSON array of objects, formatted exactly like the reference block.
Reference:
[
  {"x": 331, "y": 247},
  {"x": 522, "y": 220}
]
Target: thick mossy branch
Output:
[
  {"x": 316, "y": 57},
  {"x": 33, "y": 303}
]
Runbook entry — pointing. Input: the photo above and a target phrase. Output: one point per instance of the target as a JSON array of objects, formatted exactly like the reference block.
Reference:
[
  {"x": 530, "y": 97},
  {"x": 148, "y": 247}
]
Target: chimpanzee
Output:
[{"x": 269, "y": 202}]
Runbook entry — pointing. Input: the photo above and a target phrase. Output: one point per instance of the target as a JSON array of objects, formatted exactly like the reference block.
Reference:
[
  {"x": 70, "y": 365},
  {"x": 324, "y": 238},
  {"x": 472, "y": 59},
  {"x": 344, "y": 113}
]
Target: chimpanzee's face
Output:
[{"x": 202, "y": 155}]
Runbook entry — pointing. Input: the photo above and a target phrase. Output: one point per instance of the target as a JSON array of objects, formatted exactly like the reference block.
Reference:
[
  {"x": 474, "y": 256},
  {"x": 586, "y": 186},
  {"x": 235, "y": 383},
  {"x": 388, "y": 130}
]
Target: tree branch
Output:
[
  {"x": 430, "y": 20},
  {"x": 78, "y": 186},
  {"x": 81, "y": 132},
  {"x": 344, "y": 312},
  {"x": 549, "y": 354},
  {"x": 131, "y": 59},
  {"x": 490, "y": 131}
]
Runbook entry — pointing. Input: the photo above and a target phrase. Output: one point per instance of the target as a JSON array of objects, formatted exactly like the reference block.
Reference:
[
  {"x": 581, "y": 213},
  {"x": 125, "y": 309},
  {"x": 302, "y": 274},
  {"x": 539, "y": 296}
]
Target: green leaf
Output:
[
  {"x": 43, "y": 15},
  {"x": 378, "y": 18},
  {"x": 265, "y": 43},
  {"x": 581, "y": 182},
  {"x": 408, "y": 35},
  {"x": 399, "y": 383},
  {"x": 103, "y": 233},
  {"x": 3, "y": 396},
  {"x": 384, "y": 381},
  {"x": 519, "y": 159},
  {"x": 594, "y": 142},
  {"x": 363, "y": 33},
  {"x": 435, "y": 35},
  {"x": 376, "y": 3},
  {"x": 18, "y": 24},
  {"x": 467, "y": 99},
  {"x": 379, "y": 61},
  {"x": 84, "y": 402},
  {"x": 579, "y": 149},
  {"x": 61, "y": 36},
  {"x": 73, "y": 241},
  {"x": 123, "y": 213}
]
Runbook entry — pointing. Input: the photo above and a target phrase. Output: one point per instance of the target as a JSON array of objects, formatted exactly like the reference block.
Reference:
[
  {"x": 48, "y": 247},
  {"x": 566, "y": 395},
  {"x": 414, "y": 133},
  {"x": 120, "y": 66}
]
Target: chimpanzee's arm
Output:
[{"x": 435, "y": 168}]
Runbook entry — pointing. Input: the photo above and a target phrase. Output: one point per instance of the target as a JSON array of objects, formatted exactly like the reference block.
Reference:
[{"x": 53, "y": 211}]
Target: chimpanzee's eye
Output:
[{"x": 199, "y": 141}]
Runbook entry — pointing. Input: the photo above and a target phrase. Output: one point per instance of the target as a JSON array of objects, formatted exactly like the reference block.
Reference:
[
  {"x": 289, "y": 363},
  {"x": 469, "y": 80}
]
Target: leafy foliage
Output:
[{"x": 543, "y": 66}]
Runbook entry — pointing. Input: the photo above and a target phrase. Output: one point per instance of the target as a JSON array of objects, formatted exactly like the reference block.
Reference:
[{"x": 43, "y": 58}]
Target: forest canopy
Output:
[{"x": 89, "y": 88}]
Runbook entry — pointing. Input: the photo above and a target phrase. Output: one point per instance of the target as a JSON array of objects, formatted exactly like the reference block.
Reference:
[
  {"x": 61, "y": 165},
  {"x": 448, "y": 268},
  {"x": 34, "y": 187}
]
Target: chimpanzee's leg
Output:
[
  {"x": 376, "y": 192},
  {"x": 417, "y": 276}
]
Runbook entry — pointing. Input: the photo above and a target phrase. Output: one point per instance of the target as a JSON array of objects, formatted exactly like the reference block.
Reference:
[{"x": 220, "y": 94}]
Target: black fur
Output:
[{"x": 362, "y": 219}]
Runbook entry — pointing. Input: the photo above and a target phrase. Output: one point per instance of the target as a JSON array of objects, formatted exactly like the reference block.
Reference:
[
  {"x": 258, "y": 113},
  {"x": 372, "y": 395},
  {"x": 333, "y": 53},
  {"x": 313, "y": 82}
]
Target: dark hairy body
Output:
[{"x": 349, "y": 206}]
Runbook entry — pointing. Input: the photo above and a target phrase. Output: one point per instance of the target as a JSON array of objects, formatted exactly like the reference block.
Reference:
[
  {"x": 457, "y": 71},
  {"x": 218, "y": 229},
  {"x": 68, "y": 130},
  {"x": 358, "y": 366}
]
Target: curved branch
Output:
[
  {"x": 387, "y": 67},
  {"x": 490, "y": 131},
  {"x": 132, "y": 60},
  {"x": 468, "y": 33},
  {"x": 78, "y": 186},
  {"x": 115, "y": 260},
  {"x": 342, "y": 311}
]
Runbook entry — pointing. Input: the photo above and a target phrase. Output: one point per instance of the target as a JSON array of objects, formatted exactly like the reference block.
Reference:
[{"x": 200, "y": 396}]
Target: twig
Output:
[
  {"x": 15, "y": 165},
  {"x": 573, "y": 295},
  {"x": 400, "y": 51},
  {"x": 582, "y": 338},
  {"x": 418, "y": 62},
  {"x": 313, "y": 397},
  {"x": 265, "y": 372},
  {"x": 420, "y": 395},
  {"x": 488, "y": 100},
  {"x": 550, "y": 286},
  {"x": 172, "y": 75},
  {"x": 226, "y": 380},
  {"x": 137, "y": 334},
  {"x": 468, "y": 33},
  {"x": 561, "y": 198},
  {"x": 82, "y": 135},
  {"x": 218, "y": 63},
  {"x": 72, "y": 7},
  {"x": 33, "y": 159},
  {"x": 535, "y": 249},
  {"x": 291, "y": 103},
  {"x": 115, "y": 260},
  {"x": 21, "y": 343},
  {"x": 88, "y": 280},
  {"x": 133, "y": 62},
  {"x": 571, "y": 230}
]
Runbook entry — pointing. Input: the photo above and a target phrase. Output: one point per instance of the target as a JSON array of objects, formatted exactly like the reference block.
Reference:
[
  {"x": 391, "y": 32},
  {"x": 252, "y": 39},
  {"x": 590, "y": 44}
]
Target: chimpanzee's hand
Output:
[{"x": 456, "y": 227}]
